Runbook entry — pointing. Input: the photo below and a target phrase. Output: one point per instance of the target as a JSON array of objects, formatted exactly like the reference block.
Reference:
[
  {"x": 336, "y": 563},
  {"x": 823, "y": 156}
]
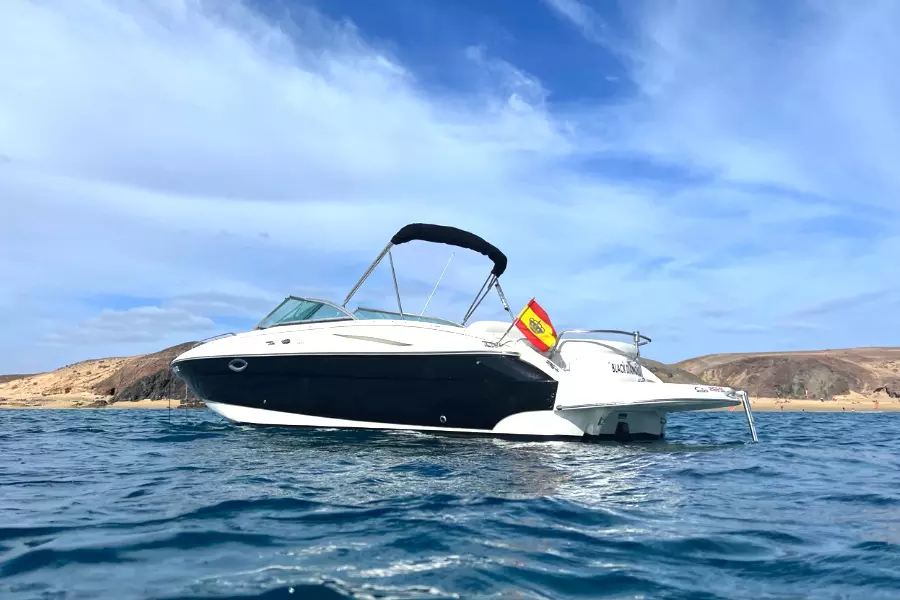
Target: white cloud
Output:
[
  {"x": 140, "y": 324},
  {"x": 224, "y": 304},
  {"x": 199, "y": 154},
  {"x": 803, "y": 100},
  {"x": 584, "y": 18}
]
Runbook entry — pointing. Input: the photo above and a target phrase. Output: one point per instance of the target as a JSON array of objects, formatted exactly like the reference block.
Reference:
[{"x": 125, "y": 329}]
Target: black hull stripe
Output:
[{"x": 465, "y": 391}]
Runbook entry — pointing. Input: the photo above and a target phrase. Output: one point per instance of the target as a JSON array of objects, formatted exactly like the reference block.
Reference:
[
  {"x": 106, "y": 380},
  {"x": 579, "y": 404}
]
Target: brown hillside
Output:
[
  {"x": 868, "y": 371},
  {"x": 669, "y": 373},
  {"x": 103, "y": 381},
  {"x": 824, "y": 373},
  {"x": 13, "y": 377}
]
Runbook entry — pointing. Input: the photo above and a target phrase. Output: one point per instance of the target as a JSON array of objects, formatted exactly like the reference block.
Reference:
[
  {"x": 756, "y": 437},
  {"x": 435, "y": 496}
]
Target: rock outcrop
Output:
[
  {"x": 106, "y": 381},
  {"x": 669, "y": 373},
  {"x": 816, "y": 374},
  {"x": 146, "y": 376}
]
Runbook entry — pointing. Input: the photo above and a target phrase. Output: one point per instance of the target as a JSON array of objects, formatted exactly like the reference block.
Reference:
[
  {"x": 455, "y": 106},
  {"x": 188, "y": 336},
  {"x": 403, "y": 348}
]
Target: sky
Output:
[{"x": 720, "y": 176}]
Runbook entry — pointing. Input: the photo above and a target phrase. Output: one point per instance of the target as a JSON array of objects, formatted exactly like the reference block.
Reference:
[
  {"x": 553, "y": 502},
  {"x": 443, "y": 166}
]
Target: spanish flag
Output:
[{"x": 535, "y": 325}]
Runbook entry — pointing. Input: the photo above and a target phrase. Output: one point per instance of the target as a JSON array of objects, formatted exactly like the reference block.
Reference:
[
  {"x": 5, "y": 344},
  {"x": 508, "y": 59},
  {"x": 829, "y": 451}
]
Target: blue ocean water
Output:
[{"x": 128, "y": 504}]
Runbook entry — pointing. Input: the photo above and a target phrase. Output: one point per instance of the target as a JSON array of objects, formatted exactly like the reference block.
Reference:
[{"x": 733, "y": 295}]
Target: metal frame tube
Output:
[
  {"x": 367, "y": 273},
  {"x": 506, "y": 306},
  {"x": 508, "y": 329},
  {"x": 503, "y": 297},
  {"x": 396, "y": 287},
  {"x": 482, "y": 292}
]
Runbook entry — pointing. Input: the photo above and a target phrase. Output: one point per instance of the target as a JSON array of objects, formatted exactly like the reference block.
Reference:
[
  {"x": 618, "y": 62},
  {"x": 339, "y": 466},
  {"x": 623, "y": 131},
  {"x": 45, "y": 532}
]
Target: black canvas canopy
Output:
[{"x": 443, "y": 234}]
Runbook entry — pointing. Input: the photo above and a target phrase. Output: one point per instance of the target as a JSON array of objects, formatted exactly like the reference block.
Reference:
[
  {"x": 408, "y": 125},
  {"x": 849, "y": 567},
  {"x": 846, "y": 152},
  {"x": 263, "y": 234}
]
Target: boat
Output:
[{"x": 319, "y": 363}]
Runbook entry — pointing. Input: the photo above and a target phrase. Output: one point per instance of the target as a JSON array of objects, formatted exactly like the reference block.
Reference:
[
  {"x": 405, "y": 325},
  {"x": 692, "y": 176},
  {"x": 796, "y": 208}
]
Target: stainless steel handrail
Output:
[
  {"x": 745, "y": 400},
  {"x": 215, "y": 337},
  {"x": 619, "y": 331},
  {"x": 637, "y": 337}
]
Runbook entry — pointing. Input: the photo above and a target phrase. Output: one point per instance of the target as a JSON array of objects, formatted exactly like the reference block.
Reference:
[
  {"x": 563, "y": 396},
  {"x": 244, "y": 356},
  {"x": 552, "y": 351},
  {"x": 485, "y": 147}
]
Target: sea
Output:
[{"x": 155, "y": 504}]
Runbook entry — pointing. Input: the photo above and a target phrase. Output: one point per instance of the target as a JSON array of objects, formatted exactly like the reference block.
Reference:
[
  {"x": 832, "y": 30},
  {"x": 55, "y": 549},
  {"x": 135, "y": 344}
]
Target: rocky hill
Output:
[
  {"x": 13, "y": 377},
  {"x": 670, "y": 373},
  {"x": 101, "y": 382},
  {"x": 104, "y": 381},
  {"x": 820, "y": 373},
  {"x": 145, "y": 376}
]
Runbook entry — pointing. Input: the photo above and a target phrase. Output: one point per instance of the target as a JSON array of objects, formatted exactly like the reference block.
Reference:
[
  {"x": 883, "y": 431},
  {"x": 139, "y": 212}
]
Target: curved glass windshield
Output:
[
  {"x": 373, "y": 313},
  {"x": 299, "y": 310}
]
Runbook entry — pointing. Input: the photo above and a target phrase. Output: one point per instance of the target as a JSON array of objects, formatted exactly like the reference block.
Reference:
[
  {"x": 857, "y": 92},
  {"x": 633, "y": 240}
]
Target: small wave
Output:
[
  {"x": 871, "y": 499},
  {"x": 45, "y": 558},
  {"x": 200, "y": 509},
  {"x": 754, "y": 471}
]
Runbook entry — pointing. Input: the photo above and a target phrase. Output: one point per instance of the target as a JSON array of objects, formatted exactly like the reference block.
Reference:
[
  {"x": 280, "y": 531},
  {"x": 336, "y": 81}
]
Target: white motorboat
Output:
[{"x": 317, "y": 363}]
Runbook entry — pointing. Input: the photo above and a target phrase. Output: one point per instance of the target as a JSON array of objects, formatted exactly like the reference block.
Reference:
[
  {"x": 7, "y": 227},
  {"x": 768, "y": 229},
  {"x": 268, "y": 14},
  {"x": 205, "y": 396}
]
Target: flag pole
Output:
[{"x": 511, "y": 325}]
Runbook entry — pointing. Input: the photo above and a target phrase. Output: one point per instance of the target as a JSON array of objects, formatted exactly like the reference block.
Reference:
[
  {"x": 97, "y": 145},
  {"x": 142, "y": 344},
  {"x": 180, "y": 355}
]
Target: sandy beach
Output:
[
  {"x": 854, "y": 403},
  {"x": 849, "y": 403},
  {"x": 71, "y": 401}
]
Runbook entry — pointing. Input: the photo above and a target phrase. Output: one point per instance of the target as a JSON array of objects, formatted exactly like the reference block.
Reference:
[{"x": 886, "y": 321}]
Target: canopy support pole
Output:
[
  {"x": 396, "y": 287},
  {"x": 502, "y": 297},
  {"x": 745, "y": 399},
  {"x": 367, "y": 273},
  {"x": 482, "y": 293},
  {"x": 506, "y": 306}
]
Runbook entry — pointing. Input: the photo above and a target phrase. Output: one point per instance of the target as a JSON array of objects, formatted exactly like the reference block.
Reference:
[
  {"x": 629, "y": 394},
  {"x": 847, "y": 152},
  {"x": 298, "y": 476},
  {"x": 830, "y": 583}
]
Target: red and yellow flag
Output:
[{"x": 535, "y": 325}]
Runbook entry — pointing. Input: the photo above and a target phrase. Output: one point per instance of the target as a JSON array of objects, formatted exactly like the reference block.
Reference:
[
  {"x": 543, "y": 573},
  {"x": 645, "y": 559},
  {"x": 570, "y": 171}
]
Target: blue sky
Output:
[{"x": 721, "y": 176}]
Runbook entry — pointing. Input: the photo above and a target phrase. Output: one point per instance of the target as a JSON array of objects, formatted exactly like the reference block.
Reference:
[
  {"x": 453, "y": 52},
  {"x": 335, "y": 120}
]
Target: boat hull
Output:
[
  {"x": 473, "y": 392},
  {"x": 538, "y": 425}
]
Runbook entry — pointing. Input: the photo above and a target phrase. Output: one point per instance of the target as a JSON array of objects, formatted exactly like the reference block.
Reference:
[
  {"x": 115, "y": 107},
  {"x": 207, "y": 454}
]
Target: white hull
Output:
[
  {"x": 392, "y": 375},
  {"x": 314, "y": 363},
  {"x": 537, "y": 424}
]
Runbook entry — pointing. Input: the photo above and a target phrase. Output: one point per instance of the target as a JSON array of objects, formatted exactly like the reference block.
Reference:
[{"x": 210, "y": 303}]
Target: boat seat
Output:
[
  {"x": 623, "y": 348},
  {"x": 495, "y": 330}
]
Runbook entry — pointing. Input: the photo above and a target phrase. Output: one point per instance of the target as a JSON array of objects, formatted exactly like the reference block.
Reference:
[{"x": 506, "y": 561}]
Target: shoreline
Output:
[
  {"x": 853, "y": 403},
  {"x": 83, "y": 402}
]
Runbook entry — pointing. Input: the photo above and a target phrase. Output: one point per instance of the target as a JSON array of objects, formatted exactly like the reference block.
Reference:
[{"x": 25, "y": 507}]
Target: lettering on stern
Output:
[{"x": 627, "y": 368}]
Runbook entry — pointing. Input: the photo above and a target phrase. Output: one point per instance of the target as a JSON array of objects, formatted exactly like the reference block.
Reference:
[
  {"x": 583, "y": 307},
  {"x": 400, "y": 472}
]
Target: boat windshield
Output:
[
  {"x": 302, "y": 310},
  {"x": 374, "y": 313}
]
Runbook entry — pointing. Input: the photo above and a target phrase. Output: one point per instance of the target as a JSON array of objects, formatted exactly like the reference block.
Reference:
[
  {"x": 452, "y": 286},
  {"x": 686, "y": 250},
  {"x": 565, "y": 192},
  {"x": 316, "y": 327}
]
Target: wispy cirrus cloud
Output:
[
  {"x": 213, "y": 159},
  {"x": 834, "y": 305},
  {"x": 140, "y": 324},
  {"x": 581, "y": 16}
]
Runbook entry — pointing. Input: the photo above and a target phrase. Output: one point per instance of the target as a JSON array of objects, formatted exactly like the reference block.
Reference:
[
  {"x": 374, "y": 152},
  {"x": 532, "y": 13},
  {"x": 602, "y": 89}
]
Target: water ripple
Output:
[{"x": 127, "y": 504}]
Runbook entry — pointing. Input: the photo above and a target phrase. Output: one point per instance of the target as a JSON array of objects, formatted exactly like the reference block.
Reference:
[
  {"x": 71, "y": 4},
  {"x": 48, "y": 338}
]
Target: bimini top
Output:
[{"x": 443, "y": 234}]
